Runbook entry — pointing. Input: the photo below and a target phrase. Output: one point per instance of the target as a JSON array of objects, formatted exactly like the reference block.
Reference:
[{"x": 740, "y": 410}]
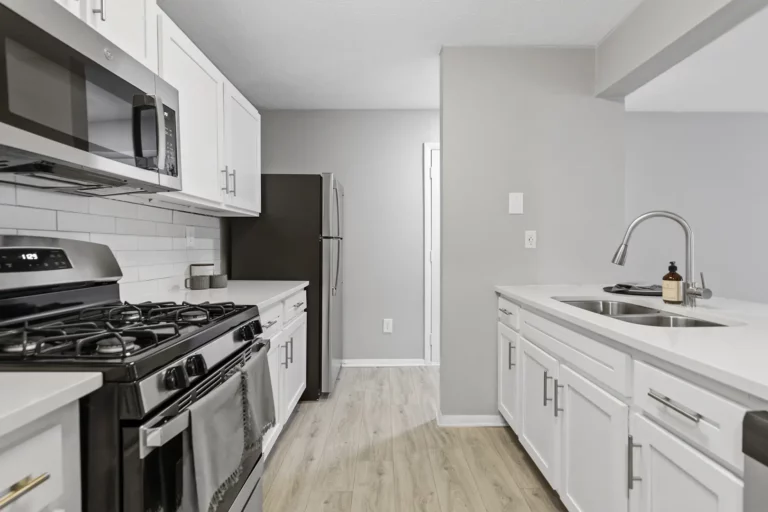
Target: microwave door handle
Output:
[{"x": 160, "y": 109}]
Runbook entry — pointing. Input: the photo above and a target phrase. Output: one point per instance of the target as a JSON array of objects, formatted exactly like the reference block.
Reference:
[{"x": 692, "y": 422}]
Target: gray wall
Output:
[
  {"x": 377, "y": 155},
  {"x": 713, "y": 170},
  {"x": 519, "y": 120}
]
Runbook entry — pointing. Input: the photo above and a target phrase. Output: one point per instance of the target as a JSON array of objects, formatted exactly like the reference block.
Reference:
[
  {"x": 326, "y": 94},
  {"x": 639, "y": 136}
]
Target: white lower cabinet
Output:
[
  {"x": 593, "y": 459},
  {"x": 538, "y": 431},
  {"x": 508, "y": 346},
  {"x": 672, "y": 476}
]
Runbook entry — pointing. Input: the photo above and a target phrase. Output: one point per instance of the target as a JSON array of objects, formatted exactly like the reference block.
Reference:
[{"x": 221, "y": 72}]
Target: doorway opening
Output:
[{"x": 432, "y": 253}]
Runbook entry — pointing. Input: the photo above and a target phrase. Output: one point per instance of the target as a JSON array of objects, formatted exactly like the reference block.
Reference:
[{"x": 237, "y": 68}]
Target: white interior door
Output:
[
  {"x": 595, "y": 427},
  {"x": 432, "y": 252}
]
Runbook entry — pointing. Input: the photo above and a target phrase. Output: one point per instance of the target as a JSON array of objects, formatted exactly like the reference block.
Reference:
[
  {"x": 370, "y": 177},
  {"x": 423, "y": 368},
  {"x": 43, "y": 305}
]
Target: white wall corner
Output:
[
  {"x": 475, "y": 420},
  {"x": 381, "y": 363}
]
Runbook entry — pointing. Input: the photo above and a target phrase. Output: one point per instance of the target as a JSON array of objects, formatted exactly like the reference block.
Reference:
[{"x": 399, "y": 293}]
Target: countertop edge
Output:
[
  {"x": 696, "y": 366},
  {"x": 282, "y": 295},
  {"x": 50, "y": 402}
]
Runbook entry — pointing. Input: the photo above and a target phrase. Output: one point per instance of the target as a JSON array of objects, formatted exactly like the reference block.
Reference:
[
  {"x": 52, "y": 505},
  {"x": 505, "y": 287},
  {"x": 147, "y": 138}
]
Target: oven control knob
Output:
[
  {"x": 195, "y": 365},
  {"x": 176, "y": 378},
  {"x": 250, "y": 331}
]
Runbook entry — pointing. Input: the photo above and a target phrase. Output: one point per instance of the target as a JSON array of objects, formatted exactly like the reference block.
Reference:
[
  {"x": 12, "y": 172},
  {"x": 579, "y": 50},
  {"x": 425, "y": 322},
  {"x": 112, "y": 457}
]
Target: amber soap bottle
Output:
[{"x": 672, "y": 286}]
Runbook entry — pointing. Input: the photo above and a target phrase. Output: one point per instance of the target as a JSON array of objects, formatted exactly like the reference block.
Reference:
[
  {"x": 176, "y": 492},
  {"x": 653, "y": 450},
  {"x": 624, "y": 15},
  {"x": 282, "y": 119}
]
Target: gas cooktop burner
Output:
[
  {"x": 194, "y": 316},
  {"x": 114, "y": 346},
  {"x": 19, "y": 347},
  {"x": 130, "y": 316}
]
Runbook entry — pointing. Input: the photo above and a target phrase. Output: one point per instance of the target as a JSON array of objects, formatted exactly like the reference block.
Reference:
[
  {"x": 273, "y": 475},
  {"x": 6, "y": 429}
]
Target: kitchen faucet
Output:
[{"x": 690, "y": 289}]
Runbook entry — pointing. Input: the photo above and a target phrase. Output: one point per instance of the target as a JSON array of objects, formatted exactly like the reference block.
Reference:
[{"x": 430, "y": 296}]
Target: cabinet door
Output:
[
  {"x": 201, "y": 103},
  {"x": 539, "y": 428},
  {"x": 674, "y": 476},
  {"x": 507, "y": 377},
  {"x": 129, "y": 24},
  {"x": 242, "y": 136},
  {"x": 593, "y": 456},
  {"x": 297, "y": 361},
  {"x": 274, "y": 374}
]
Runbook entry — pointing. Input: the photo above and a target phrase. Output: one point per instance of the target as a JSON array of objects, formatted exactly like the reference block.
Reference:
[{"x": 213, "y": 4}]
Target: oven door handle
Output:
[{"x": 155, "y": 437}]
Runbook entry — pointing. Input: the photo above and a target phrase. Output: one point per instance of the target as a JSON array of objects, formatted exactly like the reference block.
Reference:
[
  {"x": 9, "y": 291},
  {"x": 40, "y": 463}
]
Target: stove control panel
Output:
[
  {"x": 176, "y": 377},
  {"x": 32, "y": 259},
  {"x": 250, "y": 331}
]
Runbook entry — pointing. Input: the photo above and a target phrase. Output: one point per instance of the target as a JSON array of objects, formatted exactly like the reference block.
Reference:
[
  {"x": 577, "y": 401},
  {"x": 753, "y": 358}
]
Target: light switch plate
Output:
[
  {"x": 516, "y": 203},
  {"x": 387, "y": 326},
  {"x": 190, "y": 237}
]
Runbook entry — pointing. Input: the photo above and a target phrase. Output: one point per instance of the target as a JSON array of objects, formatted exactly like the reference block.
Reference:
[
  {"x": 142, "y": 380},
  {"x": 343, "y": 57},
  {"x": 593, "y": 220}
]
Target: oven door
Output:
[
  {"x": 74, "y": 105},
  {"x": 158, "y": 465}
]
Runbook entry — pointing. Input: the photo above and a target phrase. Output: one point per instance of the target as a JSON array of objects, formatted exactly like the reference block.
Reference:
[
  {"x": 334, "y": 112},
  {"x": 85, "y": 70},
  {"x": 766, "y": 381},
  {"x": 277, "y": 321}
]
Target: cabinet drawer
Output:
[
  {"x": 272, "y": 320},
  {"x": 294, "y": 305},
  {"x": 700, "y": 416},
  {"x": 603, "y": 363},
  {"x": 36, "y": 456},
  {"x": 509, "y": 313}
]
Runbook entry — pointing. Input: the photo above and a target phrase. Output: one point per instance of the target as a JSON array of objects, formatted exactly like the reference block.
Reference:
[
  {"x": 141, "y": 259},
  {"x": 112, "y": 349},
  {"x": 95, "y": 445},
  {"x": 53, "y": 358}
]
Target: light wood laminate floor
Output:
[{"x": 375, "y": 446}]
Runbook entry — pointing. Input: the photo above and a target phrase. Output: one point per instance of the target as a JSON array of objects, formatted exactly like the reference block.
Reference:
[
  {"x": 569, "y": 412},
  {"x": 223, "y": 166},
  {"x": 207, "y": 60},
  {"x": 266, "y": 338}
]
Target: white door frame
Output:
[{"x": 432, "y": 253}]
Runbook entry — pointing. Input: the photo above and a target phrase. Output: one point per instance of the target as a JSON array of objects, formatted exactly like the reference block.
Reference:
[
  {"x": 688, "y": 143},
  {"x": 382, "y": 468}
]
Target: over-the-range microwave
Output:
[{"x": 77, "y": 114}]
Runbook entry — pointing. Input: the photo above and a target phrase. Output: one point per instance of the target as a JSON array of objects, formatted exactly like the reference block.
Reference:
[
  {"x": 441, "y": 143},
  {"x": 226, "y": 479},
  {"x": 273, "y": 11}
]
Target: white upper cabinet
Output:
[
  {"x": 129, "y": 24},
  {"x": 538, "y": 430},
  {"x": 201, "y": 113},
  {"x": 594, "y": 428},
  {"x": 508, "y": 346},
  {"x": 242, "y": 133},
  {"x": 672, "y": 476},
  {"x": 73, "y": 6}
]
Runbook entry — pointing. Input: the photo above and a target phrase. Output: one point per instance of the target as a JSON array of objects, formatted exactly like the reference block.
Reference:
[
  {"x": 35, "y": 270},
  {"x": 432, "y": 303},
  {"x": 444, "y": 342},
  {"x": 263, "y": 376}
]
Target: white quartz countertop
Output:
[
  {"x": 28, "y": 396},
  {"x": 735, "y": 355},
  {"x": 251, "y": 293}
]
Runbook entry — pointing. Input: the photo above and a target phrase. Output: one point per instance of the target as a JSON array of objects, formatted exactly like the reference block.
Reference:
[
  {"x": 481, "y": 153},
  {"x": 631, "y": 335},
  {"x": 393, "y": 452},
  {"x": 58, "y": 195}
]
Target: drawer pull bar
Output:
[
  {"x": 631, "y": 478},
  {"x": 506, "y": 312},
  {"x": 20, "y": 488},
  {"x": 270, "y": 324},
  {"x": 667, "y": 402},
  {"x": 546, "y": 378},
  {"x": 298, "y": 305}
]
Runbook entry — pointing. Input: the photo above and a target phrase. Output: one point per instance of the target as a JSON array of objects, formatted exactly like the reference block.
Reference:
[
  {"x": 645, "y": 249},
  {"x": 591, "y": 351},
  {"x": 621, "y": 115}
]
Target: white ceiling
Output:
[
  {"x": 372, "y": 54},
  {"x": 728, "y": 75}
]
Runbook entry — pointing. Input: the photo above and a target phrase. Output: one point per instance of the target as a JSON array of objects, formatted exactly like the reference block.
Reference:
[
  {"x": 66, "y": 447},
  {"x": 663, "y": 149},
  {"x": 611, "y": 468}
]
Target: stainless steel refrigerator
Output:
[{"x": 300, "y": 236}]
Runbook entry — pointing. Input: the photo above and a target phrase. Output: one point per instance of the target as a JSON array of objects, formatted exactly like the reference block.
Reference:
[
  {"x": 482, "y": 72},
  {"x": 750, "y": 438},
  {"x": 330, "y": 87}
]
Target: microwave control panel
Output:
[{"x": 171, "y": 143}]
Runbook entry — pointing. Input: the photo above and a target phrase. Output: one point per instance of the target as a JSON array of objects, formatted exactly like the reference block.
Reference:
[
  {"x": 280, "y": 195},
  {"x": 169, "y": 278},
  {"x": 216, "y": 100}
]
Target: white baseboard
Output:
[
  {"x": 373, "y": 363},
  {"x": 478, "y": 420}
]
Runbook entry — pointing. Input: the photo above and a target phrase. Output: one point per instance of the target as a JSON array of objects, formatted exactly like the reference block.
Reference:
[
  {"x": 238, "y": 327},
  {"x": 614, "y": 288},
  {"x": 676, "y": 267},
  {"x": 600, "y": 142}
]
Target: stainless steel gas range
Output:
[{"x": 60, "y": 311}]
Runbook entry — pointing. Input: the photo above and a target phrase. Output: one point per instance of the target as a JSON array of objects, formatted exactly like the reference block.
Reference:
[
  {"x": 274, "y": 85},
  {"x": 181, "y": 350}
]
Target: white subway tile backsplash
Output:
[
  {"x": 149, "y": 243},
  {"x": 7, "y": 194},
  {"x": 174, "y": 230},
  {"x": 117, "y": 242},
  {"x": 190, "y": 219},
  {"x": 99, "y": 206},
  {"x": 50, "y": 200},
  {"x": 69, "y": 235},
  {"x": 154, "y": 214},
  {"x": 84, "y": 222},
  {"x": 155, "y": 243},
  {"x": 18, "y": 217},
  {"x": 135, "y": 227}
]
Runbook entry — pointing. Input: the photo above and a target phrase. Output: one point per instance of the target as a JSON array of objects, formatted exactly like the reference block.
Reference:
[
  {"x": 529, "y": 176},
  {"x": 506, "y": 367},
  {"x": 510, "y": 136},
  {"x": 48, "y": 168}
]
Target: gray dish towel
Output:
[
  {"x": 222, "y": 433},
  {"x": 259, "y": 388}
]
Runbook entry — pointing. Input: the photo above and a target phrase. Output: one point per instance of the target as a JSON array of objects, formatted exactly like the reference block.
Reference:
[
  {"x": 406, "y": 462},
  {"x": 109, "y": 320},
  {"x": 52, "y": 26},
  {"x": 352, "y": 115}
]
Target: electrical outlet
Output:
[
  {"x": 387, "y": 327},
  {"x": 530, "y": 239},
  {"x": 190, "y": 237}
]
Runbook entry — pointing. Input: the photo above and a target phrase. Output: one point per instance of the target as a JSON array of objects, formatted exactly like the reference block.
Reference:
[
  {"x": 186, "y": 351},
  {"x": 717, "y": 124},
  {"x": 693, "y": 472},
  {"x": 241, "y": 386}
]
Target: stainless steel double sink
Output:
[{"x": 634, "y": 314}]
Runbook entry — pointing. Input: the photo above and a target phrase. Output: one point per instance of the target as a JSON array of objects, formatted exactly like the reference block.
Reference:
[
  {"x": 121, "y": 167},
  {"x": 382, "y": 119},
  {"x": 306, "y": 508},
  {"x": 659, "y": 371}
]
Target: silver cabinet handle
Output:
[
  {"x": 557, "y": 403},
  {"x": 546, "y": 378},
  {"x": 234, "y": 182},
  {"x": 226, "y": 179},
  {"x": 291, "y": 342},
  {"x": 631, "y": 478},
  {"x": 298, "y": 305},
  {"x": 102, "y": 10},
  {"x": 270, "y": 324},
  {"x": 286, "y": 355},
  {"x": 509, "y": 356},
  {"x": 667, "y": 402},
  {"x": 21, "y": 488},
  {"x": 506, "y": 312}
]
